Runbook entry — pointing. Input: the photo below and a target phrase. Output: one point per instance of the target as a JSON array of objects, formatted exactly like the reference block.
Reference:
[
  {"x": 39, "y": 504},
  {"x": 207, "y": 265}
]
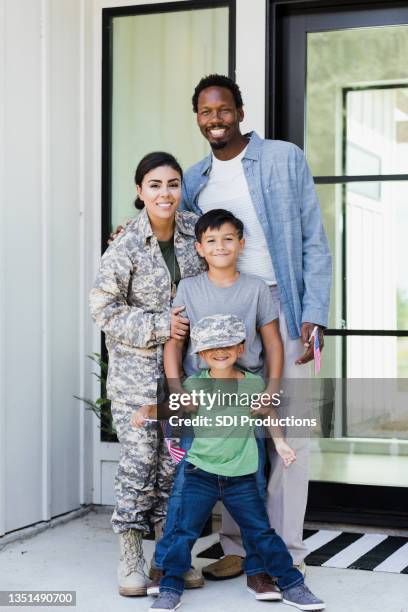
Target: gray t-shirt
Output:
[{"x": 248, "y": 297}]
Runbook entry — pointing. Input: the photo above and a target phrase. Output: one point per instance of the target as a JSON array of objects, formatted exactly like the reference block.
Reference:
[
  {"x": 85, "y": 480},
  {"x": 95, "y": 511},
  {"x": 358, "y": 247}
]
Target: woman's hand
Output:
[
  {"x": 179, "y": 325},
  {"x": 138, "y": 417}
]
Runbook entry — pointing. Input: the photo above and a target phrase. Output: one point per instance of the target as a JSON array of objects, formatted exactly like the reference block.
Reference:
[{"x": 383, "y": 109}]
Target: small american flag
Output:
[
  {"x": 176, "y": 453},
  {"x": 316, "y": 350}
]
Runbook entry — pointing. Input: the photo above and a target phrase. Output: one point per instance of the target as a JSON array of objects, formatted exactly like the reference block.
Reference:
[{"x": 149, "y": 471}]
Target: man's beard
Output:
[{"x": 218, "y": 145}]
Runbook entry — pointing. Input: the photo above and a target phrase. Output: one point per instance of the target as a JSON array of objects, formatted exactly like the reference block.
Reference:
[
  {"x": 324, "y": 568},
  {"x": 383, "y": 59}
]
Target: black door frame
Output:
[
  {"x": 284, "y": 119},
  {"x": 278, "y": 9}
]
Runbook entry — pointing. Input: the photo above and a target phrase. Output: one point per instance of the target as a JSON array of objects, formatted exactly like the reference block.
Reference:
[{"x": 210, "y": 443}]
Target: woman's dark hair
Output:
[
  {"x": 150, "y": 162},
  {"x": 214, "y": 219},
  {"x": 217, "y": 80}
]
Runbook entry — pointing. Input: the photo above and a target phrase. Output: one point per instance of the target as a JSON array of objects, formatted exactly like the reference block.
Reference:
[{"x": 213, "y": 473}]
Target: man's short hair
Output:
[
  {"x": 214, "y": 219},
  {"x": 217, "y": 80}
]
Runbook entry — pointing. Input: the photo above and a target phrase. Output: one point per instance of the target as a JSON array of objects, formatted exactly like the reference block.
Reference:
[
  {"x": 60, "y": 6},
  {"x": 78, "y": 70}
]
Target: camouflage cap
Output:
[{"x": 217, "y": 331}]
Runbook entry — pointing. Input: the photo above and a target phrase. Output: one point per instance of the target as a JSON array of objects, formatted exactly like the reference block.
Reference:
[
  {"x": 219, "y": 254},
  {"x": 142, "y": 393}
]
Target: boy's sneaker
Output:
[
  {"x": 263, "y": 587},
  {"x": 167, "y": 601},
  {"x": 302, "y": 598}
]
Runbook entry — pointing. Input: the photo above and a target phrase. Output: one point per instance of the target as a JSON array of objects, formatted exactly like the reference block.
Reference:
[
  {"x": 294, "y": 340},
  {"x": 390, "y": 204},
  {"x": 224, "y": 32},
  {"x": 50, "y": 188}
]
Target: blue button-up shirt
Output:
[{"x": 283, "y": 194}]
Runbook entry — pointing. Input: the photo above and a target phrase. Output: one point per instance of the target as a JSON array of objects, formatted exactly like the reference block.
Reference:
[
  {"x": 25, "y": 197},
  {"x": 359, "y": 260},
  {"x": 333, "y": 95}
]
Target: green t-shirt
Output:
[
  {"x": 225, "y": 444},
  {"x": 169, "y": 256}
]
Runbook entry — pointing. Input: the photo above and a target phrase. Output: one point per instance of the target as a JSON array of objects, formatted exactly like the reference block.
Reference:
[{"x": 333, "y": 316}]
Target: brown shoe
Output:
[
  {"x": 228, "y": 567},
  {"x": 192, "y": 580},
  {"x": 262, "y": 586}
]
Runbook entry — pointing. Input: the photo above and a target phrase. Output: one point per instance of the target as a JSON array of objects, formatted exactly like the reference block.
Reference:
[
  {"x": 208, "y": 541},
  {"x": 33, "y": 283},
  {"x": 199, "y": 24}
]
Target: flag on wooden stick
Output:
[{"x": 316, "y": 350}]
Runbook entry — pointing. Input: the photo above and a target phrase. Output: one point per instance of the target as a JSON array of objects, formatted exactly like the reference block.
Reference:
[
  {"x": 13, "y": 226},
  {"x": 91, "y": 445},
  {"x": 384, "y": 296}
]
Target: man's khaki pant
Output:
[{"x": 287, "y": 487}]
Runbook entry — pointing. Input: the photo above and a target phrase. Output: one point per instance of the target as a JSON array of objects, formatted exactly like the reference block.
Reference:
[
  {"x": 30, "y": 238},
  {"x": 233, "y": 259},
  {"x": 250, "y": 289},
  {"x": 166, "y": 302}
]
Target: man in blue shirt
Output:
[{"x": 268, "y": 185}]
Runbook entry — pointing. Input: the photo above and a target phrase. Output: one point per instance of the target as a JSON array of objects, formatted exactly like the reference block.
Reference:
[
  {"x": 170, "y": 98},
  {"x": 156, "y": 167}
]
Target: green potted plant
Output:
[{"x": 101, "y": 405}]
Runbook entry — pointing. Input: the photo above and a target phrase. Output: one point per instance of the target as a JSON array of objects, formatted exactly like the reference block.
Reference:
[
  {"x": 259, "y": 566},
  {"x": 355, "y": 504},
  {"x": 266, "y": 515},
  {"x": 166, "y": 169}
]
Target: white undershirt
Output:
[{"x": 227, "y": 188}]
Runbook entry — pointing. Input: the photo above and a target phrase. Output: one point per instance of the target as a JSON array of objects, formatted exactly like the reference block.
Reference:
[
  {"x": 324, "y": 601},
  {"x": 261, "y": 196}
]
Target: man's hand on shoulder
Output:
[
  {"x": 306, "y": 332},
  {"x": 118, "y": 232}
]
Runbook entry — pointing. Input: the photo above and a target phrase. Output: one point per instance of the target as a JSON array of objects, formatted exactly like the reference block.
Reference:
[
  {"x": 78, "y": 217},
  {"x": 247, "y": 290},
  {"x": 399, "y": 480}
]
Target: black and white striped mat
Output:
[{"x": 371, "y": 551}]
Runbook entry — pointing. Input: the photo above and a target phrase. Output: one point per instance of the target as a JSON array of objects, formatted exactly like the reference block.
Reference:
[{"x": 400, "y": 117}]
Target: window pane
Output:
[
  {"x": 368, "y": 462},
  {"x": 402, "y": 358},
  {"x": 377, "y": 252},
  {"x": 376, "y": 357},
  {"x": 379, "y": 357},
  {"x": 331, "y": 203},
  {"x": 363, "y": 430},
  {"x": 357, "y": 111},
  {"x": 157, "y": 61},
  {"x": 377, "y": 135},
  {"x": 375, "y": 217},
  {"x": 363, "y": 426}
]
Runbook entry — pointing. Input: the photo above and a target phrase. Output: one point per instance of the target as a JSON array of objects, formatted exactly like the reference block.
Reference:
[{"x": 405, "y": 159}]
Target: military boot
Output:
[{"x": 131, "y": 575}]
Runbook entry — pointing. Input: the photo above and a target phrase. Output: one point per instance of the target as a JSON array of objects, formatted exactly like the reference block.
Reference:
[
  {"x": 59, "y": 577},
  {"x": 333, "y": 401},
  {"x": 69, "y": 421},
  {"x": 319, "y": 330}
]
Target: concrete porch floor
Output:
[{"x": 81, "y": 555}]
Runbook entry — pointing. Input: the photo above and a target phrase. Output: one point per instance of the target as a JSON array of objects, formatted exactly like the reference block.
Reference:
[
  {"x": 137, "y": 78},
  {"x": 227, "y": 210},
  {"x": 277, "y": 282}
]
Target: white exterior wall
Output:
[{"x": 44, "y": 470}]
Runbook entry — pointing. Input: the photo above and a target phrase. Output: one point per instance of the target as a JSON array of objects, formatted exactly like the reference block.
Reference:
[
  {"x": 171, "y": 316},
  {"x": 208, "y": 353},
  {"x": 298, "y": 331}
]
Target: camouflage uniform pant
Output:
[{"x": 145, "y": 473}]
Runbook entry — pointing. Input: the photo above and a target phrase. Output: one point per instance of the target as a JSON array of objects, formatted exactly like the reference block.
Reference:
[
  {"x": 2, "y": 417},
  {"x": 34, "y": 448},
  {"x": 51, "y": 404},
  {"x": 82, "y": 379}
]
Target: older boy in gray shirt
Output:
[{"x": 223, "y": 290}]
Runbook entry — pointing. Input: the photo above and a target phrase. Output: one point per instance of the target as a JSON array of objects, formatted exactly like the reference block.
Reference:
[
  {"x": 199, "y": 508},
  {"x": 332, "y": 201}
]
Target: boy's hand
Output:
[
  {"x": 138, "y": 417},
  {"x": 187, "y": 406},
  {"x": 191, "y": 407},
  {"x": 284, "y": 451},
  {"x": 179, "y": 325}
]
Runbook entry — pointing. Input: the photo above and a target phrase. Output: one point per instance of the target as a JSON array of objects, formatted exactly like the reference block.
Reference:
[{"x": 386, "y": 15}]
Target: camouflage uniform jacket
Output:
[{"x": 131, "y": 302}]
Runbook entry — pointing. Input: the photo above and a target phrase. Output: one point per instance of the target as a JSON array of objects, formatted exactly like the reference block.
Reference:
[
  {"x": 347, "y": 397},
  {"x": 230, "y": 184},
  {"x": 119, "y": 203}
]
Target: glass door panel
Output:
[
  {"x": 356, "y": 142},
  {"x": 373, "y": 62}
]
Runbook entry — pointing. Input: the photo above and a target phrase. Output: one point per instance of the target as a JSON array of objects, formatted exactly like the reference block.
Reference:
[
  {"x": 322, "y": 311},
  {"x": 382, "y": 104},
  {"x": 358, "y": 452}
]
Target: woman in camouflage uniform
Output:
[{"x": 131, "y": 302}]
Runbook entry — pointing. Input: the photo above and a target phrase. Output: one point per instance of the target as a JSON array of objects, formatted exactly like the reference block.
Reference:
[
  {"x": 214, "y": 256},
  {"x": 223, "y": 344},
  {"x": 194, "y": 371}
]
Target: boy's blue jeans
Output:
[
  {"x": 240, "y": 496},
  {"x": 174, "y": 503}
]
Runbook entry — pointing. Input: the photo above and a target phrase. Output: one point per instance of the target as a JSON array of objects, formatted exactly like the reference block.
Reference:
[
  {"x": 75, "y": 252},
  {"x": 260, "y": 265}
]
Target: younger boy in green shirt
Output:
[{"x": 215, "y": 470}]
